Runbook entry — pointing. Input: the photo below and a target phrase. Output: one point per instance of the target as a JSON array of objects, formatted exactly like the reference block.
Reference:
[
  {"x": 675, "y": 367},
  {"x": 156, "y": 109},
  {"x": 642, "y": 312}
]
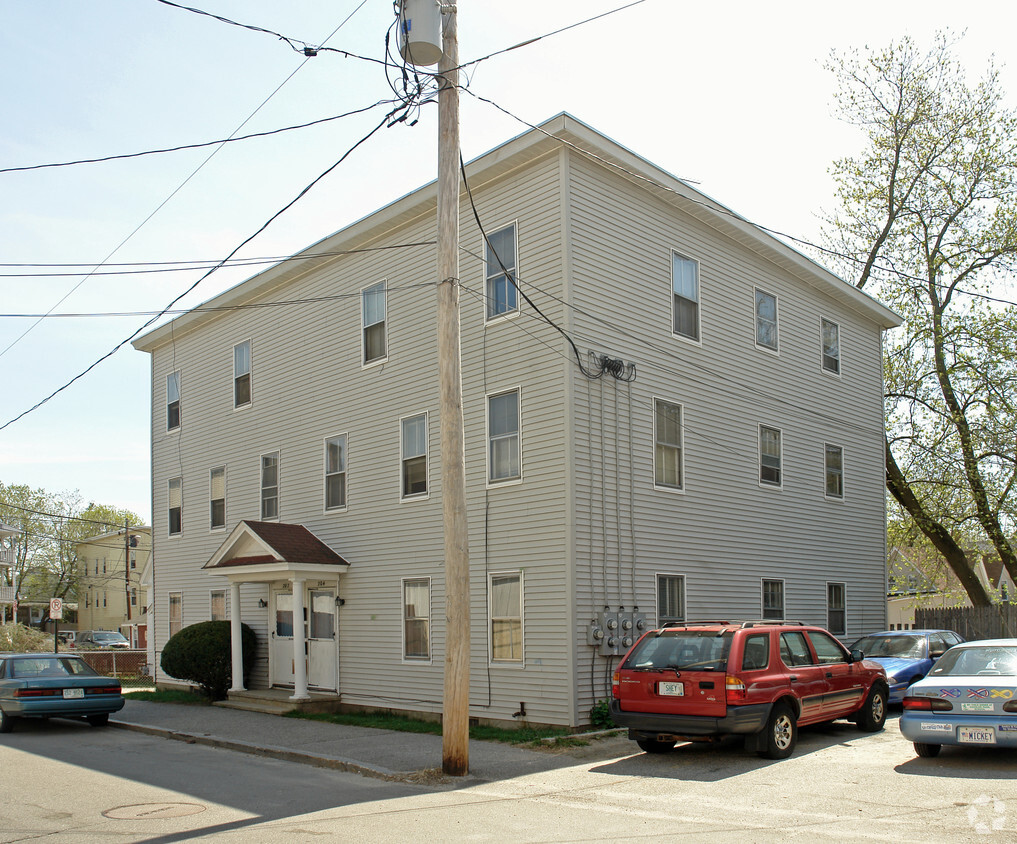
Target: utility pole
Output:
[
  {"x": 127, "y": 565},
  {"x": 456, "y": 699}
]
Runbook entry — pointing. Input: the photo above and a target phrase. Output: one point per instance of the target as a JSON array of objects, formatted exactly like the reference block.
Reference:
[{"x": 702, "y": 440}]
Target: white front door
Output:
[
  {"x": 281, "y": 638},
  {"x": 322, "y": 654}
]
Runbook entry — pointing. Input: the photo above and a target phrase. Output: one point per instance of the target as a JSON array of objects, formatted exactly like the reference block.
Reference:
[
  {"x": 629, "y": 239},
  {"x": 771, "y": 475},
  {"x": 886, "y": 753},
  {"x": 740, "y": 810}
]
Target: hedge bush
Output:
[{"x": 201, "y": 654}]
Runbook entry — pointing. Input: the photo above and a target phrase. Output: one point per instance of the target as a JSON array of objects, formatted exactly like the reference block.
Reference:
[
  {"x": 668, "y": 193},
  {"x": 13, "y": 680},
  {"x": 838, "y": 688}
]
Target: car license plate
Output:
[
  {"x": 976, "y": 735},
  {"x": 73, "y": 693},
  {"x": 671, "y": 689}
]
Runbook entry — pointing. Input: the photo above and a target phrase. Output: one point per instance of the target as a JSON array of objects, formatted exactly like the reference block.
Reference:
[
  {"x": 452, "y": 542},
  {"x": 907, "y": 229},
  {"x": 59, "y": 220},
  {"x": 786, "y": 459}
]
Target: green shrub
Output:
[
  {"x": 201, "y": 653},
  {"x": 600, "y": 715}
]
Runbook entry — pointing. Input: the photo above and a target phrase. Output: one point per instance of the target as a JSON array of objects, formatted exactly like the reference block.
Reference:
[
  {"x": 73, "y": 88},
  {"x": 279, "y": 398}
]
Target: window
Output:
[
  {"x": 773, "y": 599},
  {"x": 134, "y": 597},
  {"x": 506, "y": 596},
  {"x": 766, "y": 320},
  {"x": 134, "y": 559},
  {"x": 417, "y": 618},
  {"x": 414, "y": 455},
  {"x": 335, "y": 473},
  {"x": 217, "y": 605},
  {"x": 756, "y": 653},
  {"x": 242, "y": 374},
  {"x": 500, "y": 261},
  {"x": 217, "y": 498},
  {"x": 834, "y": 471},
  {"x": 670, "y": 598},
  {"x": 373, "y": 312},
  {"x": 685, "y": 296},
  {"x": 836, "y": 611},
  {"x": 270, "y": 486},
  {"x": 322, "y": 605},
  {"x": 831, "y": 346},
  {"x": 104, "y": 599},
  {"x": 503, "y": 437},
  {"x": 828, "y": 650},
  {"x": 794, "y": 649},
  {"x": 172, "y": 401},
  {"x": 175, "y": 612},
  {"x": 769, "y": 456},
  {"x": 667, "y": 436},
  {"x": 176, "y": 500}
]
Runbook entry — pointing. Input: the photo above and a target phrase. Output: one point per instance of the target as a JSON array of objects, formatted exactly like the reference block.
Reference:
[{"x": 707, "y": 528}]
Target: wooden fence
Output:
[{"x": 996, "y": 622}]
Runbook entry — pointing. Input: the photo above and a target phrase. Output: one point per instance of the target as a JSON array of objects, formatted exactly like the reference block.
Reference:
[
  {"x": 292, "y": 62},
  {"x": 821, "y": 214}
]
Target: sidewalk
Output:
[{"x": 384, "y": 754}]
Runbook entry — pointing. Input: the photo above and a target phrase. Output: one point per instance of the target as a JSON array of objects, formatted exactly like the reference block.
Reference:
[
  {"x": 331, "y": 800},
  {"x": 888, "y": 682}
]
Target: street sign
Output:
[{"x": 56, "y": 609}]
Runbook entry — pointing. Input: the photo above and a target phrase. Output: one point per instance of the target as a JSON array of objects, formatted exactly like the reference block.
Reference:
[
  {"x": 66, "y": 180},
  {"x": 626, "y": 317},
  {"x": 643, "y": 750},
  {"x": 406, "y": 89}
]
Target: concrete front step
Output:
[{"x": 277, "y": 701}]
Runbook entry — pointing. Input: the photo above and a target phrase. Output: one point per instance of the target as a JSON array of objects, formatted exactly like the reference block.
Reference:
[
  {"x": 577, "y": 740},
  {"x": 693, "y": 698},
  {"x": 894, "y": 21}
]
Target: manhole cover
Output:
[{"x": 148, "y": 811}]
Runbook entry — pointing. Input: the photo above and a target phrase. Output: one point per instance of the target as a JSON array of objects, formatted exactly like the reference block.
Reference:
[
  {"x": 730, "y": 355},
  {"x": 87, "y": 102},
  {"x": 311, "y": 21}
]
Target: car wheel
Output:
[
  {"x": 6, "y": 722},
  {"x": 927, "y": 751},
  {"x": 99, "y": 720},
  {"x": 781, "y": 733},
  {"x": 654, "y": 746},
  {"x": 873, "y": 713}
]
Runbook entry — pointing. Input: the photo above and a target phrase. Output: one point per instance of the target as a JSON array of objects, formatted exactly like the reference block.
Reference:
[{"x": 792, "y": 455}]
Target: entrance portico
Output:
[{"x": 273, "y": 553}]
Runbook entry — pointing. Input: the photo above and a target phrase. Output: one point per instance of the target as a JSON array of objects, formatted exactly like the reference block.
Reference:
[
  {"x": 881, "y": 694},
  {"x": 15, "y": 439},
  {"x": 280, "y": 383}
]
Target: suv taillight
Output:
[
  {"x": 616, "y": 685},
  {"x": 734, "y": 689}
]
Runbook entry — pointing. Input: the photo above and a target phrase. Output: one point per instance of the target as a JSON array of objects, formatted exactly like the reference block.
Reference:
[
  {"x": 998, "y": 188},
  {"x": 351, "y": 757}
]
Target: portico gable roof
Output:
[{"x": 265, "y": 551}]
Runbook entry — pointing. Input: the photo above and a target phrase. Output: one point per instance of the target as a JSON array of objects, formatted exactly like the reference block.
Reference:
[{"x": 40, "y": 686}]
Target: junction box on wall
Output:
[{"x": 613, "y": 633}]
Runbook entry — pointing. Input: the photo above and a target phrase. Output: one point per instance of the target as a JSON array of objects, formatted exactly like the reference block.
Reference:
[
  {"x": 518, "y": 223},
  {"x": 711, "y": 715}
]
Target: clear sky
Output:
[{"x": 730, "y": 96}]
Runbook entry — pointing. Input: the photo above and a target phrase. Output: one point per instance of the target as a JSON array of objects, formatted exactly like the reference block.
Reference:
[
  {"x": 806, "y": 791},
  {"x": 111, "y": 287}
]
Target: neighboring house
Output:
[
  {"x": 725, "y": 459},
  {"x": 111, "y": 593},
  {"x": 8, "y": 595}
]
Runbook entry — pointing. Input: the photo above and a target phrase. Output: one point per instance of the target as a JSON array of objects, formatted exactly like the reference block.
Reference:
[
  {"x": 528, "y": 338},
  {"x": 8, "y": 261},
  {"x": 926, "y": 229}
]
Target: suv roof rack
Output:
[
  {"x": 772, "y": 623},
  {"x": 667, "y": 624}
]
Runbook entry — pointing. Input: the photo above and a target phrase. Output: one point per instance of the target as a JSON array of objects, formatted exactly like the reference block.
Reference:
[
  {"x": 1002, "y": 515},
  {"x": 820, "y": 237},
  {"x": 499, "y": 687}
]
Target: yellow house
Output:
[{"x": 110, "y": 591}]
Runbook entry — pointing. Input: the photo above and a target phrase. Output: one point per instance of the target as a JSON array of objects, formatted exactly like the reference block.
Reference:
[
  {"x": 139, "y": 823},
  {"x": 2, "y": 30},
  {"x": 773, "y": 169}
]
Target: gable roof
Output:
[{"x": 271, "y": 550}]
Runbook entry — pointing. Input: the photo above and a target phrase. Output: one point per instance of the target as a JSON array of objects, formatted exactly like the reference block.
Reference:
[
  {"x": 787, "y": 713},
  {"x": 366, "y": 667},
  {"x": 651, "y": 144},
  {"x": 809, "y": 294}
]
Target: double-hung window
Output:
[
  {"x": 766, "y": 320},
  {"x": 670, "y": 598},
  {"x": 270, "y": 486},
  {"x": 414, "y": 455},
  {"x": 242, "y": 374},
  {"x": 374, "y": 309},
  {"x": 417, "y": 618},
  {"x": 217, "y": 498},
  {"x": 685, "y": 296},
  {"x": 506, "y": 609},
  {"x": 773, "y": 599},
  {"x": 217, "y": 605},
  {"x": 176, "y": 506},
  {"x": 335, "y": 473},
  {"x": 667, "y": 435},
  {"x": 176, "y": 612},
  {"x": 500, "y": 264},
  {"x": 836, "y": 608},
  {"x": 831, "y": 346},
  {"x": 834, "y": 470},
  {"x": 503, "y": 453},
  {"x": 769, "y": 456},
  {"x": 173, "y": 401}
]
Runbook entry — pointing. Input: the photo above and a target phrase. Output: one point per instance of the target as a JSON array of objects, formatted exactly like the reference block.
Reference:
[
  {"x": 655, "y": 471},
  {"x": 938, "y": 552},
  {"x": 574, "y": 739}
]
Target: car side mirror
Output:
[{"x": 855, "y": 656}]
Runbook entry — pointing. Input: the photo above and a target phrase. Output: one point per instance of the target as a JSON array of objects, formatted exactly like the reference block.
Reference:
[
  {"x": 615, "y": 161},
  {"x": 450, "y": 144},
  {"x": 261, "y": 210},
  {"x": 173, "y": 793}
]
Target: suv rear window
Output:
[{"x": 682, "y": 649}]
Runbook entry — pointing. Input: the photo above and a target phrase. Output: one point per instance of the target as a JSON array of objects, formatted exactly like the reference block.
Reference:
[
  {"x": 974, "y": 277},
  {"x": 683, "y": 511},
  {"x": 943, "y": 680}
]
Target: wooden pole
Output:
[{"x": 456, "y": 700}]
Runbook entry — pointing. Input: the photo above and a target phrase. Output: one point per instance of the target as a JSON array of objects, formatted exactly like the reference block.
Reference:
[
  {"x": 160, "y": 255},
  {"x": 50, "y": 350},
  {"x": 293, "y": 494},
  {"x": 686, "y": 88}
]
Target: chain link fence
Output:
[{"x": 130, "y": 667}]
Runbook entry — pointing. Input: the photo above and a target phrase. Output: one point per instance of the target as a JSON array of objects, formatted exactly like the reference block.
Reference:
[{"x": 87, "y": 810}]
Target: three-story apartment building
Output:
[{"x": 669, "y": 415}]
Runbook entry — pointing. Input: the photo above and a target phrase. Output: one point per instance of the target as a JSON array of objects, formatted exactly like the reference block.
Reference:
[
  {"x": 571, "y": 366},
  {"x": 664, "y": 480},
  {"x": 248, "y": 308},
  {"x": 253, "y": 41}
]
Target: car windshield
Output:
[
  {"x": 109, "y": 637},
  {"x": 989, "y": 660},
  {"x": 48, "y": 667},
  {"x": 902, "y": 647},
  {"x": 681, "y": 650}
]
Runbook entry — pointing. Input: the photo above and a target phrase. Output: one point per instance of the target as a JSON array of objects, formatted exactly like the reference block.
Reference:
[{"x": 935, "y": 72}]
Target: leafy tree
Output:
[{"x": 928, "y": 217}]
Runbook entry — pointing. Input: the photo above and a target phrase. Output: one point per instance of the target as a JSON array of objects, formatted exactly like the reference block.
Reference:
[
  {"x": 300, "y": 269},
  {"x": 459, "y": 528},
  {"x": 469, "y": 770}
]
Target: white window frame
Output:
[
  {"x": 698, "y": 339},
  {"x": 403, "y": 458},
  {"x": 238, "y": 375},
  {"x": 780, "y": 458},
  {"x": 345, "y": 472},
  {"x": 827, "y": 472},
  {"x": 278, "y": 484},
  {"x": 521, "y": 661},
  {"x": 763, "y": 581},
  {"x": 823, "y": 322},
  {"x": 511, "y": 479},
  {"x": 173, "y": 379},
  {"x": 213, "y": 528},
  {"x": 657, "y": 484},
  {"x": 843, "y": 609},
  {"x": 169, "y": 612},
  {"x": 170, "y": 508},
  {"x": 493, "y": 270},
  {"x": 658, "y": 577},
  {"x": 211, "y": 604},
  {"x": 407, "y": 658},
  {"x": 775, "y": 348},
  {"x": 382, "y": 358}
]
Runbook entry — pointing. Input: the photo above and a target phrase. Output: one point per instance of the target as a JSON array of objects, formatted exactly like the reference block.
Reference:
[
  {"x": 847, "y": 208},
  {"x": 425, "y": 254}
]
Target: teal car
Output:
[{"x": 54, "y": 685}]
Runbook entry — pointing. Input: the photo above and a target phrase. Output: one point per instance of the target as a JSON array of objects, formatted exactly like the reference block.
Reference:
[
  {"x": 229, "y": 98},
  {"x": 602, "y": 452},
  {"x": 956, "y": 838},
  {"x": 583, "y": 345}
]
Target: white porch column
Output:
[
  {"x": 299, "y": 642},
  {"x": 236, "y": 640}
]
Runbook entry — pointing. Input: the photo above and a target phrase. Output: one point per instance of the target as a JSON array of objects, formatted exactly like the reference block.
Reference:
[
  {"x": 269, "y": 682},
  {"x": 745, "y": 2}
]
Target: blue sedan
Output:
[
  {"x": 906, "y": 655},
  {"x": 60, "y": 685},
  {"x": 968, "y": 699}
]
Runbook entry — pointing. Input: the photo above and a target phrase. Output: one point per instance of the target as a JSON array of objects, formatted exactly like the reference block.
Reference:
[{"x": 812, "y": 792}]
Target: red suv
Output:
[{"x": 700, "y": 681}]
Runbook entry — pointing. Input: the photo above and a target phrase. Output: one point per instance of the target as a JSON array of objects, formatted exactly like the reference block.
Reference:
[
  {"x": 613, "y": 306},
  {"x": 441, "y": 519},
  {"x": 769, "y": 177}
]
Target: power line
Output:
[{"x": 64, "y": 516}]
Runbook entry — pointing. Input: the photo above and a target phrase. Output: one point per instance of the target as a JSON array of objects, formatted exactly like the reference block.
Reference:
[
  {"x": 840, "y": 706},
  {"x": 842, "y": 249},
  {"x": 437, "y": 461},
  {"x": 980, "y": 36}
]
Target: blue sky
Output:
[{"x": 730, "y": 96}]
